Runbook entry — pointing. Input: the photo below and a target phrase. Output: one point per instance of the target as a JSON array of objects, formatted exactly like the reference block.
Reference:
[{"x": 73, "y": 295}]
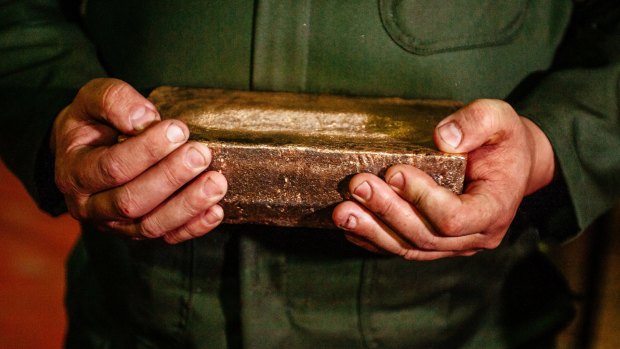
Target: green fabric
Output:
[
  {"x": 129, "y": 294},
  {"x": 311, "y": 290},
  {"x": 250, "y": 286},
  {"x": 578, "y": 108},
  {"x": 197, "y": 43},
  {"x": 44, "y": 59},
  {"x": 345, "y": 47},
  {"x": 414, "y": 25}
]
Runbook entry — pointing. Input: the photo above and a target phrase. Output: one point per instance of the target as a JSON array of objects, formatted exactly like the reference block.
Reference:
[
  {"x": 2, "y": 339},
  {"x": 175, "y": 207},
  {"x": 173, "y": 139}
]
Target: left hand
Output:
[{"x": 410, "y": 215}]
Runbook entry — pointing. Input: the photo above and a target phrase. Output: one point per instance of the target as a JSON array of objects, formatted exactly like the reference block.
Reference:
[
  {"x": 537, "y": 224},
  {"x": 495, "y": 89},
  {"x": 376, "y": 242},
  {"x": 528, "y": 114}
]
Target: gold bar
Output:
[{"x": 288, "y": 157}]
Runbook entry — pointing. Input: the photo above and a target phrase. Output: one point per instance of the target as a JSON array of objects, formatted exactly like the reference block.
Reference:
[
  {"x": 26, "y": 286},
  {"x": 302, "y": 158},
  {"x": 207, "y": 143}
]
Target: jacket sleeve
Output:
[
  {"x": 44, "y": 59},
  {"x": 577, "y": 106}
]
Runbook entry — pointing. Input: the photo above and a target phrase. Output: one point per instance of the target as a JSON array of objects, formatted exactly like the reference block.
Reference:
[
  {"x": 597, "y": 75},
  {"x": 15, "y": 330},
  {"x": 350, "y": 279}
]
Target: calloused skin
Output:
[
  {"x": 151, "y": 185},
  {"x": 409, "y": 215},
  {"x": 155, "y": 183}
]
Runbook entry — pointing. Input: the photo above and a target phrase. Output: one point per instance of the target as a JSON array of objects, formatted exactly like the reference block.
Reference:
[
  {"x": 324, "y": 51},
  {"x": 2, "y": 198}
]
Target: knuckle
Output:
[
  {"x": 82, "y": 212},
  {"x": 152, "y": 148},
  {"x": 478, "y": 109},
  {"x": 385, "y": 208},
  {"x": 172, "y": 238},
  {"x": 67, "y": 178},
  {"x": 125, "y": 204},
  {"x": 483, "y": 106},
  {"x": 410, "y": 254},
  {"x": 113, "y": 170},
  {"x": 428, "y": 244},
  {"x": 74, "y": 199},
  {"x": 78, "y": 208},
  {"x": 63, "y": 183},
  {"x": 483, "y": 113},
  {"x": 490, "y": 113},
  {"x": 420, "y": 197},
  {"x": 150, "y": 227},
  {"x": 111, "y": 94},
  {"x": 454, "y": 225},
  {"x": 193, "y": 232},
  {"x": 499, "y": 106},
  {"x": 193, "y": 205},
  {"x": 81, "y": 182},
  {"x": 170, "y": 175}
]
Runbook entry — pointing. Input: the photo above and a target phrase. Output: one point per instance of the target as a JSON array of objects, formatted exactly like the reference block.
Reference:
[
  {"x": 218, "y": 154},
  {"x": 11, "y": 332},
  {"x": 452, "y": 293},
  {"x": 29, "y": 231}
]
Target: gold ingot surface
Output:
[{"x": 288, "y": 157}]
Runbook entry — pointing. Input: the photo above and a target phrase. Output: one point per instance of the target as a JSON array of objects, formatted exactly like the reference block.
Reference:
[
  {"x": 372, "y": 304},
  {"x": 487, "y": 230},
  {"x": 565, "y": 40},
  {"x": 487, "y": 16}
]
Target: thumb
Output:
[
  {"x": 115, "y": 103},
  {"x": 481, "y": 122}
]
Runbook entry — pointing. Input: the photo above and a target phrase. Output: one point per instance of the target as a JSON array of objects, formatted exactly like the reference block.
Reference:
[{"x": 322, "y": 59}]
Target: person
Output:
[{"x": 413, "y": 265}]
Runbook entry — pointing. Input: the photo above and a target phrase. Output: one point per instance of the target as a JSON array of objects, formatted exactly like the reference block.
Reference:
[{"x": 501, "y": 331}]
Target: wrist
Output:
[{"x": 543, "y": 166}]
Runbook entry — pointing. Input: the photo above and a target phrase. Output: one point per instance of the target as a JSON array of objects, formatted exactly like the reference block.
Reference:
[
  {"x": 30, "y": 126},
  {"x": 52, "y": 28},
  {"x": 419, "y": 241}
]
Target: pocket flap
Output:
[{"x": 429, "y": 26}]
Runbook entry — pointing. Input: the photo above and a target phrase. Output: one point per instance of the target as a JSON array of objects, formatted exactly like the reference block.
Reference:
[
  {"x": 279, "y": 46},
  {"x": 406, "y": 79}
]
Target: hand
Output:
[
  {"x": 151, "y": 185},
  {"x": 411, "y": 216}
]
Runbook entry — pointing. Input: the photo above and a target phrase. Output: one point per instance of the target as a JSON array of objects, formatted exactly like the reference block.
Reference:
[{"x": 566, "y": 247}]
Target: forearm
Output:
[{"x": 577, "y": 107}]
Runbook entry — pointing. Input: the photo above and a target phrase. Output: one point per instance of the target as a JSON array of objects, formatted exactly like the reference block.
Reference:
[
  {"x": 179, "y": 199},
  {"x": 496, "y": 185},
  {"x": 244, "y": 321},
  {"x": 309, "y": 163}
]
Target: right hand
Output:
[{"x": 151, "y": 185}]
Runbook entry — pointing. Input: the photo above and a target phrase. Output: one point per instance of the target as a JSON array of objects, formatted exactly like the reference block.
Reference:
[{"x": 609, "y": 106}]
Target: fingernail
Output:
[
  {"x": 141, "y": 117},
  {"x": 211, "y": 189},
  {"x": 350, "y": 223},
  {"x": 195, "y": 158},
  {"x": 363, "y": 191},
  {"x": 397, "y": 181},
  {"x": 175, "y": 134},
  {"x": 213, "y": 215},
  {"x": 451, "y": 134}
]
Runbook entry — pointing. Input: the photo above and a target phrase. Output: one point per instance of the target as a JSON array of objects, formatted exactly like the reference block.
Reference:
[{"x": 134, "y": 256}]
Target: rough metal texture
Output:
[{"x": 288, "y": 157}]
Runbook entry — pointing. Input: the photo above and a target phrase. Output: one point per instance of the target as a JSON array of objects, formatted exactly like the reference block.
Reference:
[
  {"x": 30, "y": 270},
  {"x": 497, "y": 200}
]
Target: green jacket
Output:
[{"x": 251, "y": 286}]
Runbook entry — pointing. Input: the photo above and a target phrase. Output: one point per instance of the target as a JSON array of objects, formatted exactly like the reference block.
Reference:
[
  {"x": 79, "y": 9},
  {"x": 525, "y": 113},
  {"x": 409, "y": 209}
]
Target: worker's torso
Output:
[
  {"x": 461, "y": 49},
  {"x": 265, "y": 287}
]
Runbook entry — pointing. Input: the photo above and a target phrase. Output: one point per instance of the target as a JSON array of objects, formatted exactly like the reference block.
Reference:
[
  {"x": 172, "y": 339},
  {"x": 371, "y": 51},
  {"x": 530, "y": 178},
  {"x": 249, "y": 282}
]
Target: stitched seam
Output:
[{"x": 423, "y": 47}]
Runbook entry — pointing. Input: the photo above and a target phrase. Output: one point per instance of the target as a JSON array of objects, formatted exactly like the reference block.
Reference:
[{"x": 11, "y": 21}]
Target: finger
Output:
[
  {"x": 358, "y": 222},
  {"x": 363, "y": 243},
  {"x": 197, "y": 227},
  {"x": 116, "y": 103},
  {"x": 469, "y": 215},
  {"x": 366, "y": 228},
  {"x": 403, "y": 216},
  {"x": 193, "y": 200},
  {"x": 191, "y": 207},
  {"x": 147, "y": 191},
  {"x": 71, "y": 133},
  {"x": 122, "y": 162},
  {"x": 481, "y": 122}
]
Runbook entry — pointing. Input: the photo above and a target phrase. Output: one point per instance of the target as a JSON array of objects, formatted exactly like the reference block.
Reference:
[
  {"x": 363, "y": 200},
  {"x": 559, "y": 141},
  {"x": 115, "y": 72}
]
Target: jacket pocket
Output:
[{"x": 425, "y": 27}]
